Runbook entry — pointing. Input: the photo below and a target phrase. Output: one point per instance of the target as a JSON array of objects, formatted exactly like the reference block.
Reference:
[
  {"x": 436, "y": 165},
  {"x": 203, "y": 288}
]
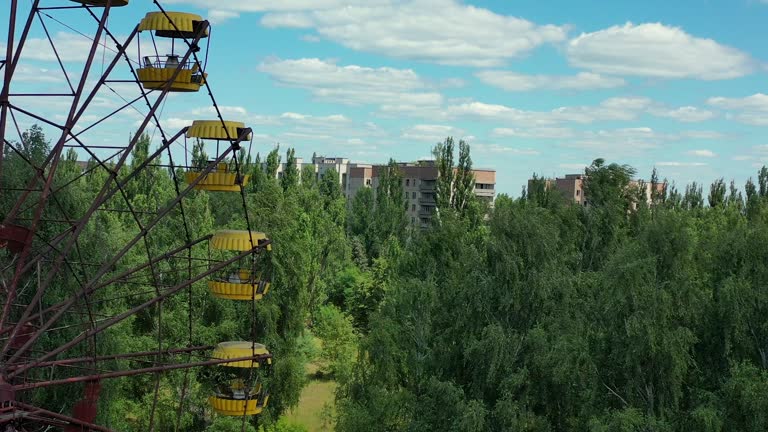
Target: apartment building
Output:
[
  {"x": 572, "y": 188},
  {"x": 321, "y": 164},
  {"x": 419, "y": 182},
  {"x": 419, "y": 186}
]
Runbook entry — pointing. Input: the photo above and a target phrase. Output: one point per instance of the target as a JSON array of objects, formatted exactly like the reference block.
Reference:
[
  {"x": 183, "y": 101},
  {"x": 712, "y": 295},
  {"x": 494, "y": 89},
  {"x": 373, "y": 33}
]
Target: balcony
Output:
[
  {"x": 428, "y": 199},
  {"x": 426, "y": 212},
  {"x": 485, "y": 193},
  {"x": 427, "y": 186}
]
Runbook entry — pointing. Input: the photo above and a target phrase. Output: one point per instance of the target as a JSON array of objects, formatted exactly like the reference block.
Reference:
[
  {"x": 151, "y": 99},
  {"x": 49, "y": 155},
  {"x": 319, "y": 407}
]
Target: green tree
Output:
[
  {"x": 290, "y": 177},
  {"x": 273, "y": 162},
  {"x": 717, "y": 193}
]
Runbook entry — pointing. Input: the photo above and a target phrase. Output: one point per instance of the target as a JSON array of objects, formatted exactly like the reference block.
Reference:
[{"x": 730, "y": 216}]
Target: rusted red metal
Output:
[
  {"x": 26, "y": 331},
  {"x": 14, "y": 237},
  {"x": 85, "y": 410},
  {"x": 7, "y": 395}
]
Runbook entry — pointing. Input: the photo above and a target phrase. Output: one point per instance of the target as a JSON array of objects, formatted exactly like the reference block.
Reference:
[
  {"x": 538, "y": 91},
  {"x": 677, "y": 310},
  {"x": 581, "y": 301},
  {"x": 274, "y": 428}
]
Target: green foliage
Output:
[
  {"x": 199, "y": 156},
  {"x": 566, "y": 318},
  {"x": 273, "y": 162},
  {"x": 290, "y": 177},
  {"x": 544, "y": 317},
  {"x": 455, "y": 184},
  {"x": 338, "y": 340}
]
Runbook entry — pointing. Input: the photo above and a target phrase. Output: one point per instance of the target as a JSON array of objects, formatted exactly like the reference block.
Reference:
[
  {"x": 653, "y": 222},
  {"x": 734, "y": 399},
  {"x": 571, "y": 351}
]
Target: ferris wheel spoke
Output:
[
  {"x": 58, "y": 420},
  {"x": 123, "y": 276},
  {"x": 55, "y": 51},
  {"x": 142, "y": 371},
  {"x": 54, "y": 315},
  {"x": 118, "y": 318},
  {"x": 105, "y": 194}
]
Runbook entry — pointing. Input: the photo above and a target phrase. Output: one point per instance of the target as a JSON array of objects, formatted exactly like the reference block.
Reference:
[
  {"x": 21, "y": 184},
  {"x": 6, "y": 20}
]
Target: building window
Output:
[
  {"x": 413, "y": 195},
  {"x": 367, "y": 182},
  {"x": 578, "y": 192},
  {"x": 413, "y": 207},
  {"x": 407, "y": 182}
]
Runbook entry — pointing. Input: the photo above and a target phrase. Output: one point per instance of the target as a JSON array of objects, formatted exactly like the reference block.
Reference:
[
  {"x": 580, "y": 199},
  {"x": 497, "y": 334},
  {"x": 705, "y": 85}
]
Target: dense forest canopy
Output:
[{"x": 534, "y": 315}]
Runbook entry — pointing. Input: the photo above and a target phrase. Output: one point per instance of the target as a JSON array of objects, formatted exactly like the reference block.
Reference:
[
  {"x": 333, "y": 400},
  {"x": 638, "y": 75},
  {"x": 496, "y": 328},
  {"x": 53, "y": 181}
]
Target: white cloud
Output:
[
  {"x": 686, "y": 114},
  {"x": 440, "y": 31},
  {"x": 543, "y": 132},
  {"x": 656, "y": 50},
  {"x": 756, "y": 102},
  {"x": 613, "y": 109},
  {"x": 751, "y": 110},
  {"x": 496, "y": 149},
  {"x": 702, "y": 134},
  {"x": 352, "y": 85},
  {"x": 218, "y": 16},
  {"x": 702, "y": 153},
  {"x": 573, "y": 166},
  {"x": 681, "y": 164},
  {"x": 742, "y": 157},
  {"x": 618, "y": 143},
  {"x": 74, "y": 48},
  {"x": 519, "y": 82},
  {"x": 431, "y": 133}
]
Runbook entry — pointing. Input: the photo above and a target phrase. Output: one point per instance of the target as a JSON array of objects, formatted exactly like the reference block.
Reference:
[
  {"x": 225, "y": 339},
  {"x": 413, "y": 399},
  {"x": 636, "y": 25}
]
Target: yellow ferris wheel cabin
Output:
[
  {"x": 239, "y": 393},
  {"x": 157, "y": 70},
  {"x": 222, "y": 178},
  {"x": 238, "y": 240},
  {"x": 240, "y": 285}
]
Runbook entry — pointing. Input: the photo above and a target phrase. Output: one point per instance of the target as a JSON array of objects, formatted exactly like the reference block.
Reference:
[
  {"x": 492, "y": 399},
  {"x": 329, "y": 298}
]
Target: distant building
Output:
[
  {"x": 572, "y": 188},
  {"x": 419, "y": 186},
  {"x": 419, "y": 182}
]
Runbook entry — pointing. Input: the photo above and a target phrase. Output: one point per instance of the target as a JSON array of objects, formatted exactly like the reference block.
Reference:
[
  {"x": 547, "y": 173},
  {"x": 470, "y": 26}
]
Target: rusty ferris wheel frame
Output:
[{"x": 44, "y": 258}]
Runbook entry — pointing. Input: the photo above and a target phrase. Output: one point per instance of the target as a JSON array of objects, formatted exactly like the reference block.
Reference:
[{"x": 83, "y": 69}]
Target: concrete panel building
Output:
[
  {"x": 419, "y": 182},
  {"x": 572, "y": 188}
]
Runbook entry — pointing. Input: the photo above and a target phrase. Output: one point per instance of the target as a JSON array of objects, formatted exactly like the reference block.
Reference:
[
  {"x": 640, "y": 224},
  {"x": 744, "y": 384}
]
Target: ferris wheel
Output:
[{"x": 68, "y": 281}]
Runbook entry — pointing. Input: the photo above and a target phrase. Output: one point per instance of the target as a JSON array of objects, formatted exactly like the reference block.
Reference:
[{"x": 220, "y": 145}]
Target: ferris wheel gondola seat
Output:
[
  {"x": 238, "y": 407},
  {"x": 244, "y": 290},
  {"x": 239, "y": 241},
  {"x": 172, "y": 24},
  {"x": 115, "y": 3},
  {"x": 155, "y": 76},
  {"x": 219, "y": 180}
]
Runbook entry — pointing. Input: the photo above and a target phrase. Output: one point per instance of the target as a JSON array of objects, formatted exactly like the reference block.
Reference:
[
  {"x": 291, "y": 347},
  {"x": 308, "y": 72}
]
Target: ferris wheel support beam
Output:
[
  {"x": 40, "y": 412},
  {"x": 119, "y": 374},
  {"x": 74, "y": 113},
  {"x": 120, "y": 317},
  {"x": 168, "y": 352},
  {"x": 7, "y": 80},
  {"x": 107, "y": 265},
  {"x": 11, "y": 293},
  {"x": 116, "y": 279},
  {"x": 72, "y": 118},
  {"x": 119, "y": 184}
]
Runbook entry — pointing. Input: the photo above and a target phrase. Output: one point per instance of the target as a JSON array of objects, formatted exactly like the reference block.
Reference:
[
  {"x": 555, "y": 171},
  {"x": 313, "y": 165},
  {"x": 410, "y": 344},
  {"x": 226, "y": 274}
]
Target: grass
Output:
[{"x": 314, "y": 397}]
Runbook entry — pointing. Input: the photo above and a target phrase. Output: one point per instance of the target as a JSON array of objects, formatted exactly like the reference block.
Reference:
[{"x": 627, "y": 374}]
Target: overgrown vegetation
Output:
[{"x": 624, "y": 315}]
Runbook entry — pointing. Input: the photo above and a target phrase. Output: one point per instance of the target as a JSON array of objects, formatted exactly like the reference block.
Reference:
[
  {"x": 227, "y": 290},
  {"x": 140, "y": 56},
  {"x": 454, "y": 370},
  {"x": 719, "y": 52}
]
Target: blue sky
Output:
[{"x": 533, "y": 86}]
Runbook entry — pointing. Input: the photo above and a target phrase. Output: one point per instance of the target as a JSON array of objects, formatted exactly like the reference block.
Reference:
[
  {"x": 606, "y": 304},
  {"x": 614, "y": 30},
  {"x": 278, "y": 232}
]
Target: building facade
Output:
[
  {"x": 419, "y": 182},
  {"x": 572, "y": 188},
  {"x": 419, "y": 186}
]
